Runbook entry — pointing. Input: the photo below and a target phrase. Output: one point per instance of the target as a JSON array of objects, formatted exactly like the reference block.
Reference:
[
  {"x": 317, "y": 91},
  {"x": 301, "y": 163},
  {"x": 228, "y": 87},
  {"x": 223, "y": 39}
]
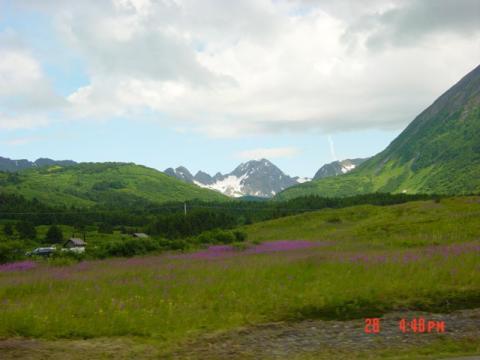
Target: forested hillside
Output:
[{"x": 109, "y": 184}]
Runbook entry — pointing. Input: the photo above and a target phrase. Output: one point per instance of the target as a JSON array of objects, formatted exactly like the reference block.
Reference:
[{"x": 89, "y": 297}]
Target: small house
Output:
[
  {"x": 140, "y": 235},
  {"x": 74, "y": 243}
]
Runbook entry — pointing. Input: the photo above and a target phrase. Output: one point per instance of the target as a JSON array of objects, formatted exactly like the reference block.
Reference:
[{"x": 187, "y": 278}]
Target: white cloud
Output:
[
  {"x": 18, "y": 71},
  {"x": 261, "y": 66},
  {"x": 412, "y": 22},
  {"x": 268, "y": 153},
  {"x": 22, "y": 82},
  {"x": 23, "y": 121},
  {"x": 25, "y": 91}
]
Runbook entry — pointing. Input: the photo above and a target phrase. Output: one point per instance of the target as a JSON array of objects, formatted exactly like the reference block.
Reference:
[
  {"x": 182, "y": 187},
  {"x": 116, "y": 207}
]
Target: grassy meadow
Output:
[
  {"x": 339, "y": 264},
  {"x": 413, "y": 224}
]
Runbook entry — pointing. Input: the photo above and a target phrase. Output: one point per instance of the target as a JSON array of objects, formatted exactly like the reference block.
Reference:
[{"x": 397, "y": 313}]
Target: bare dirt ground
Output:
[
  {"x": 309, "y": 339},
  {"x": 108, "y": 348}
]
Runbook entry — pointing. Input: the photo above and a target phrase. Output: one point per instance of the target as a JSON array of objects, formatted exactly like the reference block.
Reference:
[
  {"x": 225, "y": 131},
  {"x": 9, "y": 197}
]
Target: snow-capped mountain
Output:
[
  {"x": 255, "y": 178},
  {"x": 337, "y": 168}
]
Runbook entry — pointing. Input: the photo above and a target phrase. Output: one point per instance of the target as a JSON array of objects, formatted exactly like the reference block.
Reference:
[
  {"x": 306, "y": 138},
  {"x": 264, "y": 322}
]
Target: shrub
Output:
[
  {"x": 105, "y": 228},
  {"x": 334, "y": 220},
  {"x": 204, "y": 238},
  {"x": 126, "y": 247},
  {"x": 176, "y": 244},
  {"x": 240, "y": 236},
  {"x": 26, "y": 230},
  {"x": 224, "y": 237},
  {"x": 54, "y": 234},
  {"x": 8, "y": 229},
  {"x": 11, "y": 251},
  {"x": 220, "y": 237}
]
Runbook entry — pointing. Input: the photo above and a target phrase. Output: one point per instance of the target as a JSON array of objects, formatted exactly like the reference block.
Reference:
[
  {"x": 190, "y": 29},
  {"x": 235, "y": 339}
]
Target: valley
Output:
[
  {"x": 240, "y": 180},
  {"x": 416, "y": 256}
]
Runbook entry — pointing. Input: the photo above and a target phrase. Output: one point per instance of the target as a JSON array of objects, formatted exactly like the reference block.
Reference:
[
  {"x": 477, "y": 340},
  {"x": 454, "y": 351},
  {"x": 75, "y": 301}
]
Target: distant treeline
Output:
[{"x": 170, "y": 221}]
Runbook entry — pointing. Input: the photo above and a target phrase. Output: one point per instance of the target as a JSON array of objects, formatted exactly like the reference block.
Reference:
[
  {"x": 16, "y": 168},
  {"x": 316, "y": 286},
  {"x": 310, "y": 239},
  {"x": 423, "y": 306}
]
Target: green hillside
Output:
[
  {"x": 361, "y": 227},
  {"x": 107, "y": 184},
  {"x": 439, "y": 152}
]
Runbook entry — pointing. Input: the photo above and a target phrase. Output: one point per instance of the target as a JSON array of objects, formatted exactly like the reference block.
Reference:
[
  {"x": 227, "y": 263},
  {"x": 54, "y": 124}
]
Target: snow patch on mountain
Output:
[
  {"x": 302, "y": 180},
  {"x": 255, "y": 178},
  {"x": 348, "y": 167},
  {"x": 230, "y": 185},
  {"x": 337, "y": 168}
]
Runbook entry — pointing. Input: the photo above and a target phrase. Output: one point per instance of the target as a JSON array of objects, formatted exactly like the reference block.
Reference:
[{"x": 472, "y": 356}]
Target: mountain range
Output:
[
  {"x": 438, "y": 152},
  {"x": 259, "y": 178},
  {"x": 256, "y": 178},
  {"x": 10, "y": 165}
]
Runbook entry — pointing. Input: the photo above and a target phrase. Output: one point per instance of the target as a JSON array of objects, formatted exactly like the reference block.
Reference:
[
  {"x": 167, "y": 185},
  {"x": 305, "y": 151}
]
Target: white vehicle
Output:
[{"x": 41, "y": 251}]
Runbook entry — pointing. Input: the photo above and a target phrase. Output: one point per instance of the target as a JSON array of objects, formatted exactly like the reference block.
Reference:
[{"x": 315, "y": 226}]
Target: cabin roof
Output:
[
  {"x": 140, "y": 235},
  {"x": 76, "y": 242}
]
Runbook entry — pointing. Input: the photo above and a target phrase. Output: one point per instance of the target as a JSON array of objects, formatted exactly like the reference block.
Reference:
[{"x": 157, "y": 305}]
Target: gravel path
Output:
[
  {"x": 286, "y": 340},
  {"x": 273, "y": 341}
]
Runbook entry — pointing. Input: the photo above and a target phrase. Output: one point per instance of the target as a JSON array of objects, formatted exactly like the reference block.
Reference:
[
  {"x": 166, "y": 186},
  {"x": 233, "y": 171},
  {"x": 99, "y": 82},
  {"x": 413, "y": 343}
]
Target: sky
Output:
[{"x": 209, "y": 84}]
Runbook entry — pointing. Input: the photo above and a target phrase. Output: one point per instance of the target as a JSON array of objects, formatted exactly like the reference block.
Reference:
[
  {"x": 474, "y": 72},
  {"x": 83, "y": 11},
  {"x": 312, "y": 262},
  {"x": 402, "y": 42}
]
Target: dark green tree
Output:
[
  {"x": 105, "y": 228},
  {"x": 26, "y": 230},
  {"x": 8, "y": 229},
  {"x": 54, "y": 234}
]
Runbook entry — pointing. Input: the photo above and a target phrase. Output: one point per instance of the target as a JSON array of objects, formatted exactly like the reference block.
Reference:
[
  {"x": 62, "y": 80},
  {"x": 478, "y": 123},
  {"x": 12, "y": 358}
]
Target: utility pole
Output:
[{"x": 185, "y": 208}]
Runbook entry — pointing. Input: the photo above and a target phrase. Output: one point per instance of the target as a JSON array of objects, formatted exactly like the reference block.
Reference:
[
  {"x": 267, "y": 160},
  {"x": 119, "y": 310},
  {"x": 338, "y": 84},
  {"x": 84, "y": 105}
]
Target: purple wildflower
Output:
[
  {"x": 18, "y": 266},
  {"x": 221, "y": 251}
]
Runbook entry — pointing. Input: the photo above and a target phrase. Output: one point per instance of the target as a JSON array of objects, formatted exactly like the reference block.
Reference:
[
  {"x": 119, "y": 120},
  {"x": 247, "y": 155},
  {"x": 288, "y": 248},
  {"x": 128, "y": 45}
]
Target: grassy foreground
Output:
[{"x": 368, "y": 261}]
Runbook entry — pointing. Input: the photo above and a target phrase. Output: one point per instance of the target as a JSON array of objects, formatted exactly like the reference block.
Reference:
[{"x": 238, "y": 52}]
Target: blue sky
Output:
[
  {"x": 150, "y": 144},
  {"x": 126, "y": 80}
]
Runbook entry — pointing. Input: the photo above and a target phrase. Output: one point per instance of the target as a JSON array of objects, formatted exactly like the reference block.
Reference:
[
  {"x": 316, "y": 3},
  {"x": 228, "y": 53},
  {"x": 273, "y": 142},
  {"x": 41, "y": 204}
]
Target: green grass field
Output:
[
  {"x": 413, "y": 224},
  {"x": 370, "y": 260}
]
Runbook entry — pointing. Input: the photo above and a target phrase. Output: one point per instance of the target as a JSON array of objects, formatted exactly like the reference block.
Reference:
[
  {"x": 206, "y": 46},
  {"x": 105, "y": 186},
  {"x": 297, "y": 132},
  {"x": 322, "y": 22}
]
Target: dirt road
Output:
[{"x": 304, "y": 340}]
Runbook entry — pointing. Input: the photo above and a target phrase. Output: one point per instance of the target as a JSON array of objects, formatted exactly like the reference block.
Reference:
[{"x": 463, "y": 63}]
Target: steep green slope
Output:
[
  {"x": 102, "y": 183},
  {"x": 439, "y": 152},
  {"x": 416, "y": 223}
]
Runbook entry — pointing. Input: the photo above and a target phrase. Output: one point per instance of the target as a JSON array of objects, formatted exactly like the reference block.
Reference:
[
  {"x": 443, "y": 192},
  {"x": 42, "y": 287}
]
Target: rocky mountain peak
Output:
[
  {"x": 256, "y": 178},
  {"x": 337, "y": 168}
]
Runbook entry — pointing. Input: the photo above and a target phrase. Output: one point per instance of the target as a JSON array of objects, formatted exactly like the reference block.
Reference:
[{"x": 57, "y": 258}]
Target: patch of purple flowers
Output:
[
  {"x": 18, "y": 266},
  {"x": 411, "y": 256},
  {"x": 218, "y": 251},
  {"x": 282, "y": 245}
]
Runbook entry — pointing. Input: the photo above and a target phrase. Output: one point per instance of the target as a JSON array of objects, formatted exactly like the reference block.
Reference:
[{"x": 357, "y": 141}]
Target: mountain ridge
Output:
[
  {"x": 438, "y": 152},
  {"x": 269, "y": 179},
  {"x": 11, "y": 165},
  {"x": 108, "y": 184},
  {"x": 260, "y": 178},
  {"x": 338, "y": 167}
]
